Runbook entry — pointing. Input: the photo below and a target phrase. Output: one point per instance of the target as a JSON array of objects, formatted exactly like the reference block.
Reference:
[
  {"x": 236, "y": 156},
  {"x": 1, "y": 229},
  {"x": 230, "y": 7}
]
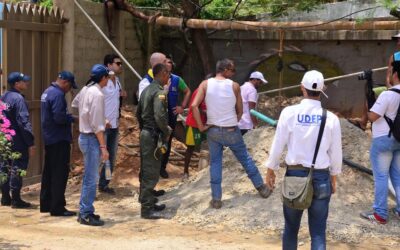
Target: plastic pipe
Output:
[
  {"x": 263, "y": 117},
  {"x": 368, "y": 171}
]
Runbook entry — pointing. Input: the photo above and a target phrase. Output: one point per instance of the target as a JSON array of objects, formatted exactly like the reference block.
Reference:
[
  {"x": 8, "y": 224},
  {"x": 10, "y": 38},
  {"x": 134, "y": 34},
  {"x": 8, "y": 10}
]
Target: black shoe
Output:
[
  {"x": 217, "y": 204},
  {"x": 159, "y": 208},
  {"x": 44, "y": 210},
  {"x": 164, "y": 174},
  {"x": 151, "y": 215},
  {"x": 5, "y": 201},
  {"x": 264, "y": 191},
  {"x": 66, "y": 213},
  {"x": 107, "y": 190},
  {"x": 158, "y": 193},
  {"x": 90, "y": 220},
  {"x": 20, "y": 204}
]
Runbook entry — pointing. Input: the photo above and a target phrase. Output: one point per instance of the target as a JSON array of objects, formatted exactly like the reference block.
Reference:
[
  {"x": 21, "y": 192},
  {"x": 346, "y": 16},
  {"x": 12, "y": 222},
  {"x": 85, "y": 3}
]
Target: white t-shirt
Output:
[
  {"x": 386, "y": 104},
  {"x": 298, "y": 129},
  {"x": 249, "y": 94},
  {"x": 221, "y": 103},
  {"x": 111, "y": 94}
]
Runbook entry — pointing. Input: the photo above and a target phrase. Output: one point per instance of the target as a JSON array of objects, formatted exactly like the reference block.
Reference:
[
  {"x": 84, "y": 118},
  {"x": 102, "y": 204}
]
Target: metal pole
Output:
[
  {"x": 108, "y": 41},
  {"x": 326, "y": 80}
]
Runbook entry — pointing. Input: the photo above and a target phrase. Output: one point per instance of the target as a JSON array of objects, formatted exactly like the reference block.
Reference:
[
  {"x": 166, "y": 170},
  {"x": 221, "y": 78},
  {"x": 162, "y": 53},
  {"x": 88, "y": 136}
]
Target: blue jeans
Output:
[
  {"x": 385, "y": 161},
  {"x": 111, "y": 135},
  {"x": 232, "y": 138},
  {"x": 90, "y": 148},
  {"x": 317, "y": 213}
]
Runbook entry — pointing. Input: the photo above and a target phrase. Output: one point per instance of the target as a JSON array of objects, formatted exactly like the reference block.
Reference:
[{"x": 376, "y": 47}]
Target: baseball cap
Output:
[
  {"x": 66, "y": 75},
  {"x": 98, "y": 71},
  {"x": 16, "y": 77},
  {"x": 395, "y": 37},
  {"x": 314, "y": 80},
  {"x": 258, "y": 75}
]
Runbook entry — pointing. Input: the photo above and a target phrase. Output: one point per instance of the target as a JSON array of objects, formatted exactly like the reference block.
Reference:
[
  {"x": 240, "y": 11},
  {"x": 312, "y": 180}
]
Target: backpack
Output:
[{"x": 394, "y": 125}]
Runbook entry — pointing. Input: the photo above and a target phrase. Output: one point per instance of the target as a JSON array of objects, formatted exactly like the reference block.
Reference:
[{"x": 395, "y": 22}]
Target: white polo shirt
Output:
[
  {"x": 298, "y": 128},
  {"x": 111, "y": 98},
  {"x": 386, "y": 104},
  {"x": 249, "y": 94}
]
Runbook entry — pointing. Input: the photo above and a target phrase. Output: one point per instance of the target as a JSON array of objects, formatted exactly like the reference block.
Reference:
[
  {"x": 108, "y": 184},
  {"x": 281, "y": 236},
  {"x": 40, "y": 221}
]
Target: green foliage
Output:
[
  {"x": 7, "y": 156},
  {"x": 46, "y": 3}
]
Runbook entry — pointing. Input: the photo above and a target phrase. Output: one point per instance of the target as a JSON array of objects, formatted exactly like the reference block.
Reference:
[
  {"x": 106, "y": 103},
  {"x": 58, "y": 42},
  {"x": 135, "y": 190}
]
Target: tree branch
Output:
[{"x": 236, "y": 8}]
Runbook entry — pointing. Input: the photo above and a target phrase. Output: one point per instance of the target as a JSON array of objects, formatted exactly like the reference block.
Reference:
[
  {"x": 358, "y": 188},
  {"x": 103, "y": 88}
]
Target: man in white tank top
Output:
[{"x": 224, "y": 110}]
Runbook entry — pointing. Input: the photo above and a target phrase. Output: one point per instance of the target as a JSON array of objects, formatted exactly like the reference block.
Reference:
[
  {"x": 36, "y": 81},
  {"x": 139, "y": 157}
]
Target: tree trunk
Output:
[{"x": 200, "y": 38}]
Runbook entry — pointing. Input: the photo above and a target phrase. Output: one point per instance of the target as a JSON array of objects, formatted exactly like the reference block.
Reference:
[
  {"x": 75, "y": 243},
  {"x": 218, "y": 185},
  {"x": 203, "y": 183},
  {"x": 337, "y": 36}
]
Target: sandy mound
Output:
[{"x": 244, "y": 210}]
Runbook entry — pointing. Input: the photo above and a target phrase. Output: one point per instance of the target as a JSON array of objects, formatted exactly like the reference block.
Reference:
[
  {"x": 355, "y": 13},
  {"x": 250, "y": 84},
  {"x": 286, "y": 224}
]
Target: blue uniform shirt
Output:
[
  {"x": 56, "y": 122},
  {"x": 18, "y": 114}
]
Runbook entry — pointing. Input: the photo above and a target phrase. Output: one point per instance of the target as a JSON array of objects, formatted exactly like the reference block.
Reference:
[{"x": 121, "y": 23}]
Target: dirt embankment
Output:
[{"x": 245, "y": 217}]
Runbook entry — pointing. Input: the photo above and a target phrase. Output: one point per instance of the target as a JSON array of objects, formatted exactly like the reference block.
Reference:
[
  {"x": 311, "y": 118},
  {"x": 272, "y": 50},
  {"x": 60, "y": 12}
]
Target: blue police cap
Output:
[
  {"x": 98, "y": 71},
  {"x": 66, "y": 75},
  {"x": 16, "y": 77}
]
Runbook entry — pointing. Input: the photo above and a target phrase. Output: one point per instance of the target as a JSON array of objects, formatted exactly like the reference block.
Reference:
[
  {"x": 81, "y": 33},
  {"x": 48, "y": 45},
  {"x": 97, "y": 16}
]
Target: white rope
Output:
[{"x": 108, "y": 40}]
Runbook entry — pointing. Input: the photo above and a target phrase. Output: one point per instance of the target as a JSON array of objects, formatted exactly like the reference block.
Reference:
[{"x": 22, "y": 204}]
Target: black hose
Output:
[{"x": 357, "y": 166}]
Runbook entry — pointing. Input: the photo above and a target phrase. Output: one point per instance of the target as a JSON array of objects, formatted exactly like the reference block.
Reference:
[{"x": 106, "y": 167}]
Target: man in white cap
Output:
[
  {"x": 298, "y": 128},
  {"x": 249, "y": 96}
]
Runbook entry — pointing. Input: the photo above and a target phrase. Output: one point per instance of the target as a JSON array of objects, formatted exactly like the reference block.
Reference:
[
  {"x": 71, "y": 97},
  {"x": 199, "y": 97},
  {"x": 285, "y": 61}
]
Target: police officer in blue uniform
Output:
[
  {"x": 23, "y": 141},
  {"x": 56, "y": 127}
]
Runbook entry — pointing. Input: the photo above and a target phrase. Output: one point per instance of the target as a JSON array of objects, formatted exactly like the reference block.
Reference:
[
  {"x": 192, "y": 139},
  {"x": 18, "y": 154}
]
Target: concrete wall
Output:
[
  {"x": 83, "y": 46},
  {"x": 350, "y": 51}
]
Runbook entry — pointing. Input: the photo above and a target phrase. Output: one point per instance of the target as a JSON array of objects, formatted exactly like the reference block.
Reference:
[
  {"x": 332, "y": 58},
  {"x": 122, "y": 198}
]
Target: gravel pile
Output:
[{"x": 244, "y": 210}]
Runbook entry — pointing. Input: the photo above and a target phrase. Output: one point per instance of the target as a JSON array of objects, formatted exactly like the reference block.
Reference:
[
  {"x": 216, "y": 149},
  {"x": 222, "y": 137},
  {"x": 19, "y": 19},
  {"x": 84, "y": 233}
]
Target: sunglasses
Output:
[{"x": 118, "y": 63}]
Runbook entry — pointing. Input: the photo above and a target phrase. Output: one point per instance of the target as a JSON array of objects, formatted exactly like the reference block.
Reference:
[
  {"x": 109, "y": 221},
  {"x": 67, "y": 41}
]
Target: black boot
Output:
[
  {"x": 5, "y": 199},
  {"x": 150, "y": 214},
  {"x": 17, "y": 202}
]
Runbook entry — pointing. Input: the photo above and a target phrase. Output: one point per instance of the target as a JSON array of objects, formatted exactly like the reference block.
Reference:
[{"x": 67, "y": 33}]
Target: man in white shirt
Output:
[
  {"x": 385, "y": 150},
  {"x": 298, "y": 129},
  {"x": 113, "y": 95},
  {"x": 92, "y": 124},
  {"x": 249, "y": 97}
]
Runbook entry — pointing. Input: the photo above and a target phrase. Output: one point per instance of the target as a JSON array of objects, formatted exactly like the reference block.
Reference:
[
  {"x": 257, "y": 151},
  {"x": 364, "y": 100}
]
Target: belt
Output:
[
  {"x": 301, "y": 167},
  {"x": 87, "y": 133},
  {"x": 215, "y": 126}
]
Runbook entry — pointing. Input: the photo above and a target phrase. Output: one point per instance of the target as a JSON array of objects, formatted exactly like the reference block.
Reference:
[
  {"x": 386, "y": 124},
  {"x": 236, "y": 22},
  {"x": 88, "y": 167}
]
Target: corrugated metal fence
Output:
[{"x": 32, "y": 43}]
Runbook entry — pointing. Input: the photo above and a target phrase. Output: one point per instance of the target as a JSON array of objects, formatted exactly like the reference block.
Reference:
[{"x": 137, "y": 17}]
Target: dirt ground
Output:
[{"x": 245, "y": 222}]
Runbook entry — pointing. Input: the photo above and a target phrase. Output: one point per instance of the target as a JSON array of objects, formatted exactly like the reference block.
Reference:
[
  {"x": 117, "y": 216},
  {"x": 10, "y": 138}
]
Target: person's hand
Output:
[
  {"x": 204, "y": 128},
  {"x": 177, "y": 110},
  {"x": 270, "y": 179},
  {"x": 104, "y": 154},
  {"x": 32, "y": 150},
  {"x": 108, "y": 124},
  {"x": 123, "y": 94}
]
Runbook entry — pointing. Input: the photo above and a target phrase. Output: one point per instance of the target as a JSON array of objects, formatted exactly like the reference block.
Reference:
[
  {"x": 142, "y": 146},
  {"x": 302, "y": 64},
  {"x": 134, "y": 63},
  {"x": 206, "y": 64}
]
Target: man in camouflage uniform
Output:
[{"x": 152, "y": 115}]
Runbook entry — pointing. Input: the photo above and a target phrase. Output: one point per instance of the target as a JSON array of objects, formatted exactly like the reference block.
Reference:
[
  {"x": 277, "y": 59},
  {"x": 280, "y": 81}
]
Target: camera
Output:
[{"x": 365, "y": 75}]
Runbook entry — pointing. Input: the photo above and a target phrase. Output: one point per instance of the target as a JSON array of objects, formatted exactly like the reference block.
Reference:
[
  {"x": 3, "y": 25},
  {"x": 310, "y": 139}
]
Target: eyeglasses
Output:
[
  {"x": 118, "y": 63},
  {"x": 232, "y": 69}
]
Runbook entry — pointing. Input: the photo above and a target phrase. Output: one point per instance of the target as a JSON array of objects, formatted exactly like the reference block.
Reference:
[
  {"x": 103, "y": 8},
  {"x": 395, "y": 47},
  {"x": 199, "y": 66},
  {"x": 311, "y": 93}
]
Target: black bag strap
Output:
[
  {"x": 387, "y": 119},
  {"x": 321, "y": 131}
]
